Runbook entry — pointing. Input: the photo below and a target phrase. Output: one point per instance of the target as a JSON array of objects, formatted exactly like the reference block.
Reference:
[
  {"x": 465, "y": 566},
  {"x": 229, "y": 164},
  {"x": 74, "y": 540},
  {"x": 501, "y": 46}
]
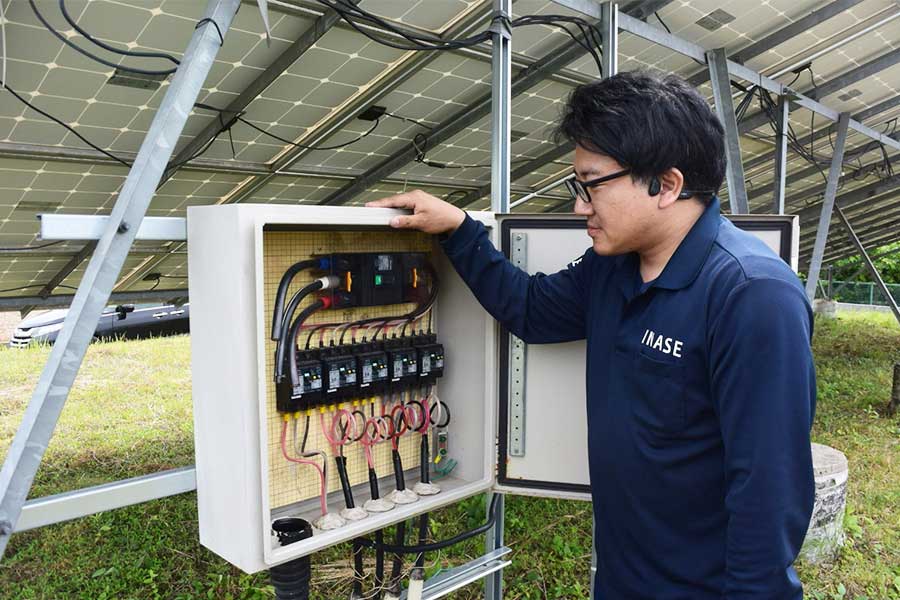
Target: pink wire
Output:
[
  {"x": 368, "y": 442},
  {"x": 335, "y": 442},
  {"x": 305, "y": 462}
]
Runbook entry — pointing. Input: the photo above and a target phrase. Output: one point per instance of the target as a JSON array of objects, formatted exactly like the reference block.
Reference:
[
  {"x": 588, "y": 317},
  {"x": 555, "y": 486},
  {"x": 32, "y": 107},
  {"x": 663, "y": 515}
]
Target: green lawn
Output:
[{"x": 129, "y": 414}]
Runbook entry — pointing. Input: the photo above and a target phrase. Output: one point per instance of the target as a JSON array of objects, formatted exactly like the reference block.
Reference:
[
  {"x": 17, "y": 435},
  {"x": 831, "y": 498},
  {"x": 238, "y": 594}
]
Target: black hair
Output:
[{"x": 649, "y": 124}]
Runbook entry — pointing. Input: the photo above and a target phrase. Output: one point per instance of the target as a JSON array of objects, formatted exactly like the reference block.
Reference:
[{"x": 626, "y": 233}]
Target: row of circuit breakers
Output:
[{"x": 383, "y": 365}]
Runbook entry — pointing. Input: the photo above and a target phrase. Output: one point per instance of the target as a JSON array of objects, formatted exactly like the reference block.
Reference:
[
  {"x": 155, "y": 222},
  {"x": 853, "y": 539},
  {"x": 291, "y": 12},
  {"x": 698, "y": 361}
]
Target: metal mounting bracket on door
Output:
[{"x": 517, "y": 357}]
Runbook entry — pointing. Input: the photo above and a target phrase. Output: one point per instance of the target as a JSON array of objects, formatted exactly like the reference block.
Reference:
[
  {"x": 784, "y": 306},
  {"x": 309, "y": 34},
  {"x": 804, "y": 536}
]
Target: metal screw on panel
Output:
[{"x": 123, "y": 227}]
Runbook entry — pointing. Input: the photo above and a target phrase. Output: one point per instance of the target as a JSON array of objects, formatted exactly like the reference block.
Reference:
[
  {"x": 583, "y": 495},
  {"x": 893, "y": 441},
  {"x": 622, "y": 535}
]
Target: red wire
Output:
[{"x": 302, "y": 461}]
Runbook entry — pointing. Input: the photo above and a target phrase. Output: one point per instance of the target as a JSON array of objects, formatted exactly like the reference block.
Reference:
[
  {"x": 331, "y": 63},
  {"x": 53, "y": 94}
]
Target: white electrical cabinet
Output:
[{"x": 505, "y": 397}]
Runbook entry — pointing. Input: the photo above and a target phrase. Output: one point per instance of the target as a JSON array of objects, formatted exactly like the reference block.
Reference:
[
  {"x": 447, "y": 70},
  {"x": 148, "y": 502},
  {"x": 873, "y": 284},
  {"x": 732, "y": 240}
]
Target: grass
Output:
[{"x": 129, "y": 414}]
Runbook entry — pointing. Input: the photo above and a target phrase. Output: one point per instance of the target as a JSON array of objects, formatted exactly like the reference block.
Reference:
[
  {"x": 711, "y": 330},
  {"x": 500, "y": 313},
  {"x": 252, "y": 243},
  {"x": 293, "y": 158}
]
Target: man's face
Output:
[{"x": 621, "y": 212}]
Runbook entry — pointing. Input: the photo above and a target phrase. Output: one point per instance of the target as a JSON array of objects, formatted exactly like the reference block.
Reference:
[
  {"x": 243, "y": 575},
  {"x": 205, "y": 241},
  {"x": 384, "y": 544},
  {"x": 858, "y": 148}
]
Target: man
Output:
[{"x": 700, "y": 380}]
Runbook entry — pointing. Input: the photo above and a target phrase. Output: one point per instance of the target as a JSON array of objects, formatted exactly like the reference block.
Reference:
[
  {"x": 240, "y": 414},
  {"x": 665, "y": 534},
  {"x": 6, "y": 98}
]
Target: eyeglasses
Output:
[{"x": 579, "y": 189}]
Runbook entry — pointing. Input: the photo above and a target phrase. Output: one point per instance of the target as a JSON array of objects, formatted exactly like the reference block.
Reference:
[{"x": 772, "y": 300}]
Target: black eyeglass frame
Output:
[{"x": 579, "y": 189}]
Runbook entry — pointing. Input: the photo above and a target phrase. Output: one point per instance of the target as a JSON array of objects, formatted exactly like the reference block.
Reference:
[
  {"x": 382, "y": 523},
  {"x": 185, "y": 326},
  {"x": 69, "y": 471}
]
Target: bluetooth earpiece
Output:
[{"x": 655, "y": 187}]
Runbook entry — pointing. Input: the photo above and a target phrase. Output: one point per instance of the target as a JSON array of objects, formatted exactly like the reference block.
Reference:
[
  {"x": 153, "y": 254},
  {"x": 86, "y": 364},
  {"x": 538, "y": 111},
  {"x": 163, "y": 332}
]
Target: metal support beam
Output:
[
  {"x": 734, "y": 174},
  {"x": 59, "y": 373},
  {"x": 869, "y": 264},
  {"x": 643, "y": 10},
  {"x": 501, "y": 107},
  {"x": 857, "y": 74},
  {"x": 867, "y": 225},
  {"x": 781, "y": 151},
  {"x": 61, "y": 275},
  {"x": 609, "y": 18},
  {"x": 834, "y": 175},
  {"x": 836, "y": 84},
  {"x": 801, "y": 198},
  {"x": 493, "y": 583},
  {"x": 822, "y": 132},
  {"x": 546, "y": 188},
  {"x": 866, "y": 220},
  {"x": 782, "y": 35},
  {"x": 866, "y": 216},
  {"x": 609, "y": 36},
  {"x": 39, "y": 152},
  {"x": 874, "y": 241},
  {"x": 65, "y": 300},
  {"x": 118, "y": 494},
  {"x": 458, "y": 577},
  {"x": 697, "y": 52},
  {"x": 866, "y": 230},
  {"x": 865, "y": 193},
  {"x": 91, "y": 227}
]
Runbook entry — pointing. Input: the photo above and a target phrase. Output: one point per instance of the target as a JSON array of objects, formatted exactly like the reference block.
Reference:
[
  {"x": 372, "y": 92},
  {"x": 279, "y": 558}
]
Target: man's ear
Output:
[{"x": 671, "y": 183}]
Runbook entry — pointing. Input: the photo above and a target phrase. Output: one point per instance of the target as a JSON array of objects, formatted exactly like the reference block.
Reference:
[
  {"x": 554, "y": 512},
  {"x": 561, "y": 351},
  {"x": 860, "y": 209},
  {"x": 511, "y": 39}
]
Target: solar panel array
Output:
[{"x": 44, "y": 168}]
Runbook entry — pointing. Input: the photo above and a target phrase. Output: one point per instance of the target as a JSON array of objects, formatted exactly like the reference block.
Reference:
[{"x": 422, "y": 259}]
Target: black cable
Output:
[
  {"x": 201, "y": 22},
  {"x": 420, "y": 143},
  {"x": 434, "y": 546},
  {"x": 449, "y": 197},
  {"x": 285, "y": 321},
  {"x": 317, "y": 328},
  {"x": 27, "y": 287},
  {"x": 416, "y": 312},
  {"x": 423, "y": 535},
  {"x": 358, "y": 573},
  {"x": 288, "y": 276},
  {"x": 408, "y": 120},
  {"x": 352, "y": 13},
  {"x": 89, "y": 55},
  {"x": 397, "y": 568},
  {"x": 661, "y": 22},
  {"x": 105, "y": 46},
  {"x": 26, "y": 248},
  {"x": 304, "y": 314},
  {"x": 445, "y": 414},
  {"x": 305, "y": 436},
  {"x": 71, "y": 129},
  {"x": 420, "y": 42},
  {"x": 24, "y": 287},
  {"x": 304, "y": 146}
]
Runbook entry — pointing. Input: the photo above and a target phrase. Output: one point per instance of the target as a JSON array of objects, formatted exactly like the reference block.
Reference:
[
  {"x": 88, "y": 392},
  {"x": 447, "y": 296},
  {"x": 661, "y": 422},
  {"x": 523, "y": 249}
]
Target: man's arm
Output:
[
  {"x": 763, "y": 381},
  {"x": 537, "y": 309}
]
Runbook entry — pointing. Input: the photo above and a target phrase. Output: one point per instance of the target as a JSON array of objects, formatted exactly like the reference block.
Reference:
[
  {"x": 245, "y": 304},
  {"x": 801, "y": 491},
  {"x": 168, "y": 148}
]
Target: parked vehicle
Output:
[{"x": 125, "y": 321}]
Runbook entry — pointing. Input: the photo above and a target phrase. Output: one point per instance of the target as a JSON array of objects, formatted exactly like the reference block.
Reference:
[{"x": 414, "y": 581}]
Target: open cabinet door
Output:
[
  {"x": 542, "y": 437},
  {"x": 542, "y": 428}
]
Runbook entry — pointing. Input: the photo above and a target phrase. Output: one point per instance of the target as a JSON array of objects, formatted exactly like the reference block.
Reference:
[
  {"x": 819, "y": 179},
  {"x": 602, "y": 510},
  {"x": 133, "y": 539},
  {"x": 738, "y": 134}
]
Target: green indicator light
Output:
[{"x": 378, "y": 280}]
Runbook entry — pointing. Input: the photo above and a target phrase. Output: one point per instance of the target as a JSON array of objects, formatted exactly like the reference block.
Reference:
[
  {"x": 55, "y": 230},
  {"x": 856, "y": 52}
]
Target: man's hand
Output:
[{"x": 430, "y": 214}]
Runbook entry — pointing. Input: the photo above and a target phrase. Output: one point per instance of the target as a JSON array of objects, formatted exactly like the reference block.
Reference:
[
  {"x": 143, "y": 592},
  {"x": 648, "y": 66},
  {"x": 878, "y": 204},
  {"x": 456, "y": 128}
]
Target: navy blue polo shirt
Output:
[{"x": 700, "y": 399}]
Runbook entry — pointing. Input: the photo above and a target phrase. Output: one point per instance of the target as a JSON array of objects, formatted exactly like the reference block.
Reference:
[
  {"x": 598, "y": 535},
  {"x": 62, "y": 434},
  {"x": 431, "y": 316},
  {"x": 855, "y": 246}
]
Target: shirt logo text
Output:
[{"x": 664, "y": 344}]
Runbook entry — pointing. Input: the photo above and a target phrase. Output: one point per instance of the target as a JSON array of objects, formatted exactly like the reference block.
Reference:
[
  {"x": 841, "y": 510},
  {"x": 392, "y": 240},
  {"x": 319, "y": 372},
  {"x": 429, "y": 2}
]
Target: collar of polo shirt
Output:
[{"x": 684, "y": 266}]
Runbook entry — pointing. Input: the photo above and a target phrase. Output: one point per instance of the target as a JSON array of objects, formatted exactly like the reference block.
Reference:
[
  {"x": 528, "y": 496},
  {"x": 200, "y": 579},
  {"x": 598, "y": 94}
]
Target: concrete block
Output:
[{"x": 825, "y": 535}]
